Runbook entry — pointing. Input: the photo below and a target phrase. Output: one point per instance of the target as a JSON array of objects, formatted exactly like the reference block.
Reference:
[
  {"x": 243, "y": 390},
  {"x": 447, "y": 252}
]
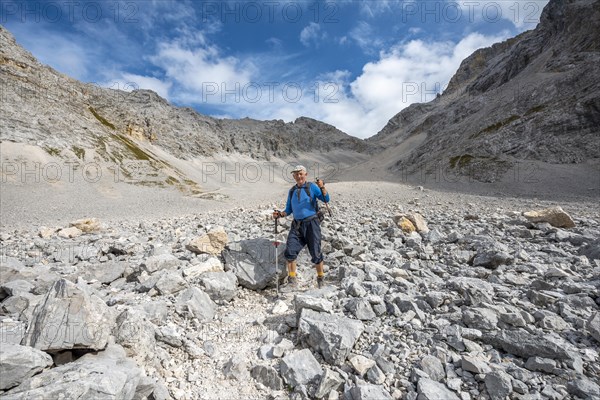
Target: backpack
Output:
[{"x": 320, "y": 214}]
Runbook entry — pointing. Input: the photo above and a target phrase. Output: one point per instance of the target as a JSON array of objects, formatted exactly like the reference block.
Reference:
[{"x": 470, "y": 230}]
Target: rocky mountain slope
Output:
[
  {"x": 535, "y": 97},
  {"x": 77, "y": 122},
  {"x": 479, "y": 302}
]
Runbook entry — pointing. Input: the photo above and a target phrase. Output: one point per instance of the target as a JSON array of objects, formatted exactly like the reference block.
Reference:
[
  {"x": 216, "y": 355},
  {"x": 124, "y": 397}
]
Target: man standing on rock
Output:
[{"x": 306, "y": 228}]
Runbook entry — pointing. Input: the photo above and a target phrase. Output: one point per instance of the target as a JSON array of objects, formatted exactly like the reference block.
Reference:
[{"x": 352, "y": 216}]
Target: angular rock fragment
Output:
[
  {"x": 193, "y": 302},
  {"x": 253, "y": 262},
  {"x": 330, "y": 380},
  {"x": 333, "y": 336},
  {"x": 69, "y": 318},
  {"x": 498, "y": 385},
  {"x": 220, "y": 285},
  {"x": 268, "y": 376},
  {"x": 555, "y": 216},
  {"x": 300, "y": 368},
  {"x": 524, "y": 344},
  {"x": 108, "y": 374},
  {"x": 87, "y": 225},
  {"x": 212, "y": 243},
  {"x": 18, "y": 363},
  {"x": 431, "y": 390}
]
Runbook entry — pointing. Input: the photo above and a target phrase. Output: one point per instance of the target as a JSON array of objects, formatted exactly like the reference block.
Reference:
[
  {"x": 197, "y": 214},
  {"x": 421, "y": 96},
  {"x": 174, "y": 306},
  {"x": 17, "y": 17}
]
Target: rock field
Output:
[{"x": 428, "y": 296}]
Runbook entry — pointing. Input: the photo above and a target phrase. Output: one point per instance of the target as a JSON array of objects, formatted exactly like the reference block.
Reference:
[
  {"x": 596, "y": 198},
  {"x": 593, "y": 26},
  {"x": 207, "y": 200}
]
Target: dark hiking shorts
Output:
[{"x": 304, "y": 233}]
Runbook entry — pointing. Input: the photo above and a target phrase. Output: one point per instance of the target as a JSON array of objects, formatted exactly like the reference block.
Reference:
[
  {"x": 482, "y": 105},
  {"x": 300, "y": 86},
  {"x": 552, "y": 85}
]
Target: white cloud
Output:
[
  {"x": 311, "y": 34},
  {"x": 363, "y": 35},
  {"x": 409, "y": 73},
  {"x": 199, "y": 68}
]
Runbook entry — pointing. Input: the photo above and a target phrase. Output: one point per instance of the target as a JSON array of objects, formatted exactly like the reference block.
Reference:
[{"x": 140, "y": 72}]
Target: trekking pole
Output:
[{"x": 276, "y": 243}]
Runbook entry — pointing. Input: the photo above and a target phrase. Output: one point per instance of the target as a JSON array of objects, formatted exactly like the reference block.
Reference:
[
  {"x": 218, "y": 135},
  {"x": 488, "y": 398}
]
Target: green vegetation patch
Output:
[
  {"x": 53, "y": 151},
  {"x": 498, "y": 125},
  {"x": 79, "y": 152},
  {"x": 461, "y": 161},
  {"x": 534, "y": 110},
  {"x": 102, "y": 120},
  {"x": 134, "y": 148}
]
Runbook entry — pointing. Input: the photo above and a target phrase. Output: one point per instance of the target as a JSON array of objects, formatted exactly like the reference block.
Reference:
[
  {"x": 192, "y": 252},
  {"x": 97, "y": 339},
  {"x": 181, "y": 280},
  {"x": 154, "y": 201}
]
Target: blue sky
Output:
[{"x": 351, "y": 63}]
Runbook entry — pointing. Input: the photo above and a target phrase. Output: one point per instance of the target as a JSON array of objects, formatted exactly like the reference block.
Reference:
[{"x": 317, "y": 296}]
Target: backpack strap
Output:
[{"x": 307, "y": 190}]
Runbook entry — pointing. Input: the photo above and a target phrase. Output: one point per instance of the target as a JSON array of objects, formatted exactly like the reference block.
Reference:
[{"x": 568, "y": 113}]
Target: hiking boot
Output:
[
  {"x": 291, "y": 285},
  {"x": 320, "y": 281}
]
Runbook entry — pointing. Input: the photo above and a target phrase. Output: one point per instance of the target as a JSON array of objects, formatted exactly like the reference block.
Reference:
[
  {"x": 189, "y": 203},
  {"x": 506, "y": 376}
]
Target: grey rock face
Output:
[
  {"x": 109, "y": 374},
  {"x": 236, "y": 368},
  {"x": 369, "y": 392},
  {"x": 302, "y": 301},
  {"x": 432, "y": 390},
  {"x": 220, "y": 285},
  {"x": 103, "y": 272},
  {"x": 584, "y": 388},
  {"x": 18, "y": 363},
  {"x": 268, "y": 376},
  {"x": 361, "y": 308},
  {"x": 498, "y": 385},
  {"x": 118, "y": 126},
  {"x": 330, "y": 380},
  {"x": 501, "y": 99},
  {"x": 253, "y": 262},
  {"x": 333, "y": 336},
  {"x": 69, "y": 318},
  {"x": 593, "y": 326},
  {"x": 525, "y": 344},
  {"x": 300, "y": 367},
  {"x": 160, "y": 262},
  {"x": 136, "y": 334},
  {"x": 433, "y": 367},
  {"x": 480, "y": 318},
  {"x": 194, "y": 302}
]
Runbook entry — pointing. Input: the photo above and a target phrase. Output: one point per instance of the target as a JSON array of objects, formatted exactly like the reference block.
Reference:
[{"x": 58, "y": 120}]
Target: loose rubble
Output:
[{"x": 468, "y": 302}]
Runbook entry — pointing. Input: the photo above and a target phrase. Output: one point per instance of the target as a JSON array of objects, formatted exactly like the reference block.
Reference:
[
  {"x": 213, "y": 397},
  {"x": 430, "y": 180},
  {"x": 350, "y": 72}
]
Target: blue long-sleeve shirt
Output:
[{"x": 303, "y": 206}]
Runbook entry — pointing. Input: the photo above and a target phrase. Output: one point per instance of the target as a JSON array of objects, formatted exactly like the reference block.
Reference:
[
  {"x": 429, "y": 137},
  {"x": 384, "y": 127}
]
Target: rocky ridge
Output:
[
  {"x": 465, "y": 300},
  {"x": 81, "y": 122},
  {"x": 532, "y": 97}
]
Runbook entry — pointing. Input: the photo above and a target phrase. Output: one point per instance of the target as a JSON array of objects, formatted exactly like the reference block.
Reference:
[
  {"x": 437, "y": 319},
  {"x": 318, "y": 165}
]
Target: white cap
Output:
[{"x": 299, "y": 168}]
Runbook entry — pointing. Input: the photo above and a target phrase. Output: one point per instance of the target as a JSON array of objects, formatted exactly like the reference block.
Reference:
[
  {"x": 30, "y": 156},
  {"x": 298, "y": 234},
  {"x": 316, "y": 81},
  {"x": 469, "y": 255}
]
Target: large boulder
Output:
[
  {"x": 300, "y": 368},
  {"x": 18, "y": 363},
  {"x": 253, "y": 262},
  {"x": 555, "y": 216},
  {"x": 212, "y": 243},
  {"x": 333, "y": 336},
  {"x": 69, "y": 318},
  {"x": 524, "y": 344},
  {"x": 107, "y": 375}
]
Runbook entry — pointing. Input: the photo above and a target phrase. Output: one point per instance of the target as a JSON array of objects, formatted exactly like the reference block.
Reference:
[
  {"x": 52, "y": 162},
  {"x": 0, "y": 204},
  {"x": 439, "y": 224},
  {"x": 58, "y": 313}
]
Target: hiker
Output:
[{"x": 306, "y": 227}]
